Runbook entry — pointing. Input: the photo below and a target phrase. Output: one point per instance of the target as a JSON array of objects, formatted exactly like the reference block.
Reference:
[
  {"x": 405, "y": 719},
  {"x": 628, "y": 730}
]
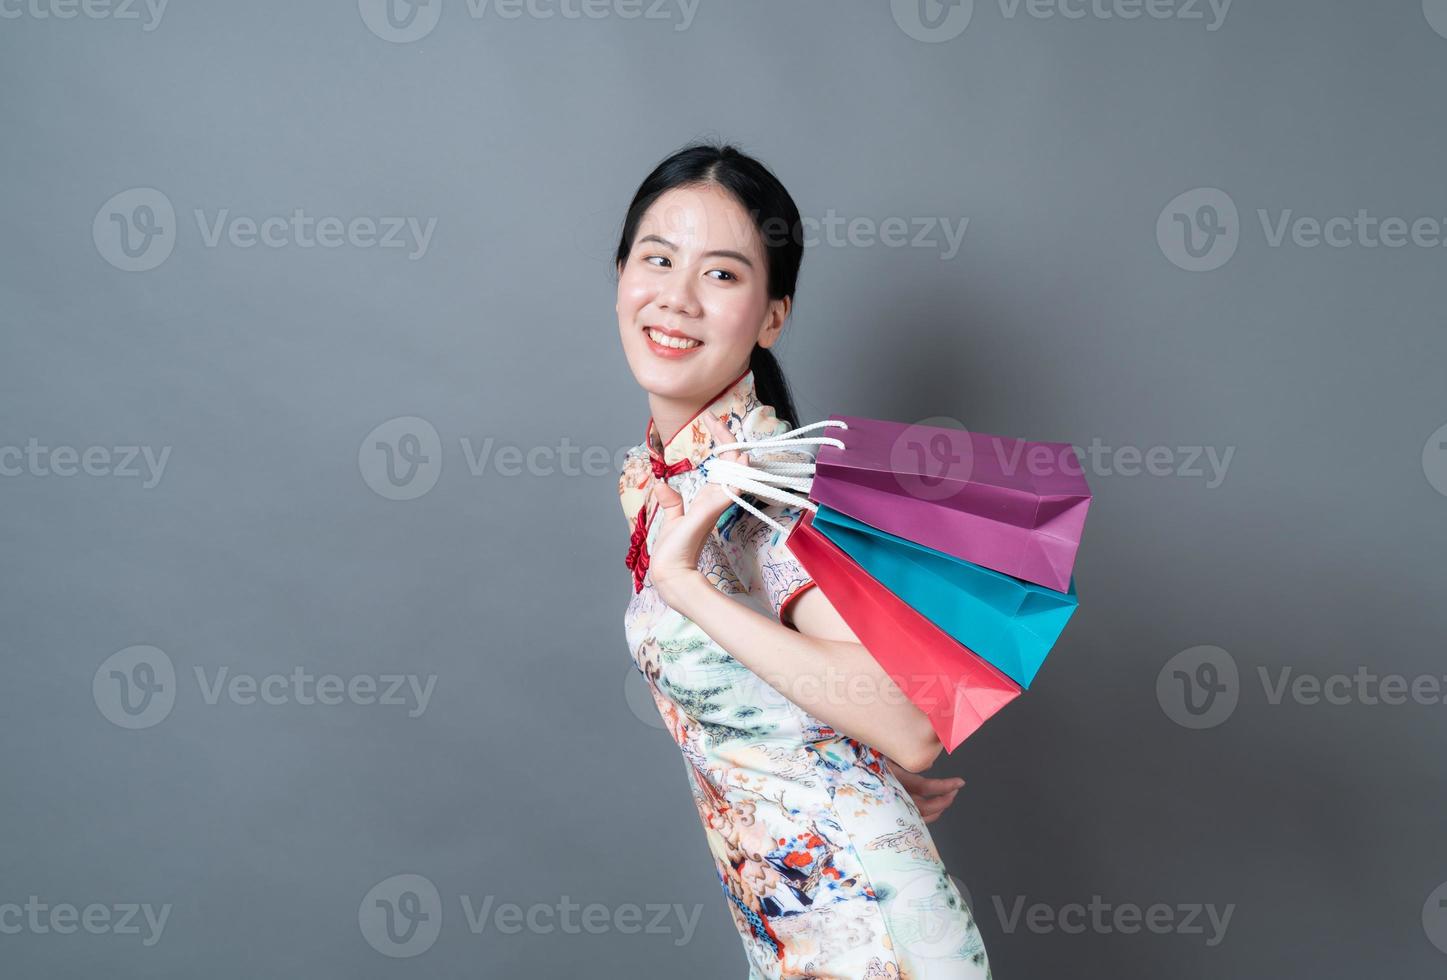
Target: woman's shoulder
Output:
[
  {"x": 760, "y": 421},
  {"x": 635, "y": 458},
  {"x": 633, "y": 476},
  {"x": 743, "y": 529}
]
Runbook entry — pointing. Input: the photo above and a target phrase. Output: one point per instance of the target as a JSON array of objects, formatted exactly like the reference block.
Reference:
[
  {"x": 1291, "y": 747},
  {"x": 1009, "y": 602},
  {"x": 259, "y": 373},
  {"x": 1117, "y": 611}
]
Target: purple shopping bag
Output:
[{"x": 1012, "y": 505}]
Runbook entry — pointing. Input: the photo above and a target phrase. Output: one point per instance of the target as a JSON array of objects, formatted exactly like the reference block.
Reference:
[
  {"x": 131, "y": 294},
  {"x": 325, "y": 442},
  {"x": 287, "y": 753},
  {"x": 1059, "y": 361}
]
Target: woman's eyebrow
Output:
[{"x": 721, "y": 253}]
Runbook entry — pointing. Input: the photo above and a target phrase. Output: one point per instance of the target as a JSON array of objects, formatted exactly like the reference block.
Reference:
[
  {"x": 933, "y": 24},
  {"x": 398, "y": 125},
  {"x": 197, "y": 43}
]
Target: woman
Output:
[{"x": 784, "y": 719}]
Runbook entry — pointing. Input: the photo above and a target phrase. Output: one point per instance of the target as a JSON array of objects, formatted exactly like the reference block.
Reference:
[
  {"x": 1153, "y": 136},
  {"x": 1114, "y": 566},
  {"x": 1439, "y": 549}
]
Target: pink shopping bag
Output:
[{"x": 1012, "y": 505}]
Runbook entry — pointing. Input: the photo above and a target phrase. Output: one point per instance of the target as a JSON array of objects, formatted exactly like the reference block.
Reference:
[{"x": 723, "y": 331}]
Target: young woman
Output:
[{"x": 786, "y": 724}]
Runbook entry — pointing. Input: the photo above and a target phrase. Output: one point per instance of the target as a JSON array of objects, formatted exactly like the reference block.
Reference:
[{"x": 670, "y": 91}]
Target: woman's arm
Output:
[
  {"x": 820, "y": 665},
  {"x": 836, "y": 681}
]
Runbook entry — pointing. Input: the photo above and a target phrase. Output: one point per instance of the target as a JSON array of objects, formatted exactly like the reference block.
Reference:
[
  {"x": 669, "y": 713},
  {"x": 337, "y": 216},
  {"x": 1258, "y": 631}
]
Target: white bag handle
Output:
[{"x": 766, "y": 477}]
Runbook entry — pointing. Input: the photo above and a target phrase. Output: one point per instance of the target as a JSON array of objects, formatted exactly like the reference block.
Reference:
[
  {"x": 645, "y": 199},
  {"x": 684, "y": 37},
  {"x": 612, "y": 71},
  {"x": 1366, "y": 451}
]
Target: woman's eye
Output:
[{"x": 664, "y": 262}]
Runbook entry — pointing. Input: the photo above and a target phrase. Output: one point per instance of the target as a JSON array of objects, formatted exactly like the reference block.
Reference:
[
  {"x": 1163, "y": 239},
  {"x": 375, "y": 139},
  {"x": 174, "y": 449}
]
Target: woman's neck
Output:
[{"x": 670, "y": 415}]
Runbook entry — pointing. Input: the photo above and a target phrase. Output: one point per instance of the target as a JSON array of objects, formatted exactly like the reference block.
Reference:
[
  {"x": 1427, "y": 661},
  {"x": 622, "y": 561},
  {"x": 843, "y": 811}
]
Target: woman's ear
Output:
[{"x": 774, "y": 321}]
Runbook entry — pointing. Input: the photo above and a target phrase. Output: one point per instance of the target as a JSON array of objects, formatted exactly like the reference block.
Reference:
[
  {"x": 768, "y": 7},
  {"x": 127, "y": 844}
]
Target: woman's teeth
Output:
[{"x": 667, "y": 341}]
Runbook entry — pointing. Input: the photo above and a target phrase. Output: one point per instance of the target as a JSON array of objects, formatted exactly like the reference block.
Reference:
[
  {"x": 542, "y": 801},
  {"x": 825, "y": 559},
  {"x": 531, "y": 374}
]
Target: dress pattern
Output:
[{"x": 826, "y": 866}]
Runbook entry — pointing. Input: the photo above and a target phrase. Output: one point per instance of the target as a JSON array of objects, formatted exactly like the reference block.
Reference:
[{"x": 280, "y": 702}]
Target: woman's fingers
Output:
[
  {"x": 922, "y": 784},
  {"x": 682, "y": 531},
  {"x": 931, "y": 807},
  {"x": 931, "y": 795},
  {"x": 723, "y": 436},
  {"x": 934, "y": 805},
  {"x": 930, "y": 786},
  {"x": 670, "y": 501}
]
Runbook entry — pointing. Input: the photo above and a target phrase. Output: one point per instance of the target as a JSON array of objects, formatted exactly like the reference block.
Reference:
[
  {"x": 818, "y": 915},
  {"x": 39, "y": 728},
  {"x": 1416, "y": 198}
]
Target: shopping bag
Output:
[
  {"x": 956, "y": 689},
  {"x": 1011, "y": 505},
  {"x": 1008, "y": 621}
]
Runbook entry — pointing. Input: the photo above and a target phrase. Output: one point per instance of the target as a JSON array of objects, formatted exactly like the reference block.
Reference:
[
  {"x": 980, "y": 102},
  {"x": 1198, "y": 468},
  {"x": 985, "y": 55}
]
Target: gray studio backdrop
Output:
[{"x": 311, "y": 405}]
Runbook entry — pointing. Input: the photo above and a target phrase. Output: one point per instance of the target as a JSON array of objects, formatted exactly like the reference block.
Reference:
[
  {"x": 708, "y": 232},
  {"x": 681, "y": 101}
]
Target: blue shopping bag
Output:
[{"x": 1009, "y": 622}]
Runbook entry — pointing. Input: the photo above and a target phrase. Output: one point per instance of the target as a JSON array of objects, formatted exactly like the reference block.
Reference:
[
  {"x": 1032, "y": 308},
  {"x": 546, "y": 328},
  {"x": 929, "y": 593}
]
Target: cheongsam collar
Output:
[
  {"x": 693, "y": 442},
  {"x": 737, "y": 406}
]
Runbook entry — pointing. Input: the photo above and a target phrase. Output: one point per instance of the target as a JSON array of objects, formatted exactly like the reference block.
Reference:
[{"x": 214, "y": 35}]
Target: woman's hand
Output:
[
  {"x": 674, "y": 555},
  {"x": 932, "y": 796}
]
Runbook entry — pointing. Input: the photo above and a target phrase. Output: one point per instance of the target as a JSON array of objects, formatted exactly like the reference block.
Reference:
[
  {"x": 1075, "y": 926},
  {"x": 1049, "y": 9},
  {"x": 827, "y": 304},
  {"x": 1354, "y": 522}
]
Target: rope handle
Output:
[{"x": 767, "y": 478}]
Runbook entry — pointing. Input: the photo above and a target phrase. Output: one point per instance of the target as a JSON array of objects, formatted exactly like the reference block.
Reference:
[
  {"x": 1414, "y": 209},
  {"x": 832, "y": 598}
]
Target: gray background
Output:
[{"x": 529, "y": 776}]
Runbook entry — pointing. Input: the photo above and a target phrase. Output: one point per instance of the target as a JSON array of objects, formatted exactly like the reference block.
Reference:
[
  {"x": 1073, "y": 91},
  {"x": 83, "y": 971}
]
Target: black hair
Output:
[{"x": 775, "y": 215}]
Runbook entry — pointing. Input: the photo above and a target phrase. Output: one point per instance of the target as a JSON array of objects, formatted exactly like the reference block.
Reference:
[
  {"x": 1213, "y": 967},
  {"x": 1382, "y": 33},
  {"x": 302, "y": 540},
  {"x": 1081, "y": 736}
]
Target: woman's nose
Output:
[{"x": 677, "y": 294}]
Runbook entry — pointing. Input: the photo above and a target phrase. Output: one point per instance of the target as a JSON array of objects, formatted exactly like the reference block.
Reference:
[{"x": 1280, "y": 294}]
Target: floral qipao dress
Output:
[{"x": 826, "y": 865}]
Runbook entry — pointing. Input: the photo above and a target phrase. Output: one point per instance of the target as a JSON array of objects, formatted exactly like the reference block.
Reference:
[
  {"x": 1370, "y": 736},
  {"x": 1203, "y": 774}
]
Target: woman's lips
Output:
[{"x": 663, "y": 350}]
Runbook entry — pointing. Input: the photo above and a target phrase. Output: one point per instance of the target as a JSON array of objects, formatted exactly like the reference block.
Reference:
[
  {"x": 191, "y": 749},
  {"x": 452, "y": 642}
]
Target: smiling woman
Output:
[{"x": 821, "y": 851}]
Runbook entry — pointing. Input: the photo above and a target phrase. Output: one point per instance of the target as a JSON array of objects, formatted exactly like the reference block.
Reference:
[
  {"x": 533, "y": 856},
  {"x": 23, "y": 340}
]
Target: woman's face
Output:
[{"x": 696, "y": 276}]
